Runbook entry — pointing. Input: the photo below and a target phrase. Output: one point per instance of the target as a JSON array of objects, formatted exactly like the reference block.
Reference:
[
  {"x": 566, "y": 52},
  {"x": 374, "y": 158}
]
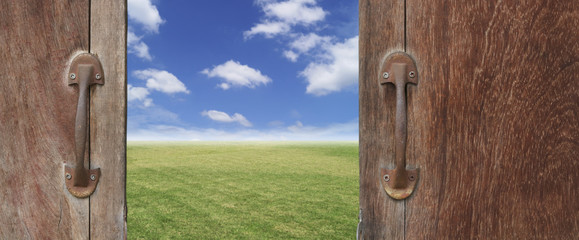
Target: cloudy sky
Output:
[{"x": 243, "y": 70}]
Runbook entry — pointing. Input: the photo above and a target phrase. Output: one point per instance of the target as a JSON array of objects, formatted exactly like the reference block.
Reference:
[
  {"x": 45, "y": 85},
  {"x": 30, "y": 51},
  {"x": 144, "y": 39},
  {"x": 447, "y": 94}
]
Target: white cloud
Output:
[
  {"x": 132, "y": 38},
  {"x": 333, "y": 132},
  {"x": 157, "y": 80},
  {"x": 268, "y": 29},
  {"x": 237, "y": 75},
  {"x": 335, "y": 65},
  {"x": 294, "y": 11},
  {"x": 147, "y": 102},
  {"x": 279, "y": 16},
  {"x": 139, "y": 94},
  {"x": 160, "y": 80},
  {"x": 291, "y": 55},
  {"x": 224, "y": 117},
  {"x": 145, "y": 13},
  {"x": 141, "y": 50},
  {"x": 339, "y": 68},
  {"x": 306, "y": 42},
  {"x": 138, "y": 47},
  {"x": 224, "y": 86}
]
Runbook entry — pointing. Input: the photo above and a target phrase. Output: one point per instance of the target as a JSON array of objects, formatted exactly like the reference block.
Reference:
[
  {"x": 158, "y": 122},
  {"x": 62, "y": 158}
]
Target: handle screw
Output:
[
  {"x": 411, "y": 177},
  {"x": 386, "y": 75},
  {"x": 68, "y": 176},
  {"x": 92, "y": 177},
  {"x": 72, "y": 76},
  {"x": 98, "y": 76},
  {"x": 387, "y": 178},
  {"x": 411, "y": 74}
]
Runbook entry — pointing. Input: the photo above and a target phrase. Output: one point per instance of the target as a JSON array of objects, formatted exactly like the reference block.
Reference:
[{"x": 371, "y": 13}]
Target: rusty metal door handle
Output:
[
  {"x": 85, "y": 70},
  {"x": 399, "y": 69}
]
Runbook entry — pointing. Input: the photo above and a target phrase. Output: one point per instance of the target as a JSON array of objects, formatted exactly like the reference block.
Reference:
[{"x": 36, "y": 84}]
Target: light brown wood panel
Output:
[
  {"x": 493, "y": 122},
  {"x": 37, "y": 116},
  {"x": 108, "y": 120},
  {"x": 381, "y": 32}
]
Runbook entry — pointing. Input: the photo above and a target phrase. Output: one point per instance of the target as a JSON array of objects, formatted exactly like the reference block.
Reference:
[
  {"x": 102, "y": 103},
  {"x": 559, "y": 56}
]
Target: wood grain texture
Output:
[
  {"x": 37, "y": 116},
  {"x": 381, "y": 33},
  {"x": 493, "y": 122},
  {"x": 108, "y": 120}
]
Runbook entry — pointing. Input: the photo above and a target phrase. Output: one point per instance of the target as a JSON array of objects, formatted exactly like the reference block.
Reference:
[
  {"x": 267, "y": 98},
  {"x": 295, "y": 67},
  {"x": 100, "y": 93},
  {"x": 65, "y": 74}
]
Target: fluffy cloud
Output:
[
  {"x": 305, "y": 43},
  {"x": 161, "y": 81},
  {"x": 335, "y": 65},
  {"x": 138, "y": 47},
  {"x": 224, "y": 117},
  {"x": 280, "y": 16},
  {"x": 157, "y": 80},
  {"x": 146, "y": 14},
  {"x": 293, "y": 11},
  {"x": 139, "y": 94},
  {"x": 291, "y": 55},
  {"x": 268, "y": 29},
  {"x": 338, "y": 68},
  {"x": 237, "y": 75}
]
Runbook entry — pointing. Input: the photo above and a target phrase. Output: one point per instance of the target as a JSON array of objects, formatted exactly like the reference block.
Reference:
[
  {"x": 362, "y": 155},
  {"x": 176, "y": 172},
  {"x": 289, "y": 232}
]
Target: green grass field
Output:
[{"x": 242, "y": 190}]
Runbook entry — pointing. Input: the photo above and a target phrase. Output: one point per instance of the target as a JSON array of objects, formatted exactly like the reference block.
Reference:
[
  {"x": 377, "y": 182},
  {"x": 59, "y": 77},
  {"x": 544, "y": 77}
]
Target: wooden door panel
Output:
[
  {"x": 37, "y": 114},
  {"x": 494, "y": 119},
  {"x": 492, "y": 122},
  {"x": 376, "y": 125},
  {"x": 38, "y": 39},
  {"x": 108, "y": 121}
]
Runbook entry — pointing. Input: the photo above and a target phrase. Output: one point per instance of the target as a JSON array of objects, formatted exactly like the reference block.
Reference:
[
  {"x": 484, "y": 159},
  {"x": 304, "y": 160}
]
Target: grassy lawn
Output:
[{"x": 242, "y": 190}]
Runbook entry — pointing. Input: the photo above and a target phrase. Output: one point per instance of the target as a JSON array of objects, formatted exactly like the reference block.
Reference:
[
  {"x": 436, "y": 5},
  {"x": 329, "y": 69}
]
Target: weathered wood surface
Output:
[
  {"x": 493, "y": 122},
  {"x": 108, "y": 120},
  {"x": 381, "y": 33},
  {"x": 37, "y": 116}
]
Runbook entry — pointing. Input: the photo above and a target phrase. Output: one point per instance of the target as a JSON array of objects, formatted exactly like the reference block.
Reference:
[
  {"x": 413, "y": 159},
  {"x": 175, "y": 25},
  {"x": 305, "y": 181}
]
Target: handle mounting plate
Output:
[
  {"x": 89, "y": 59},
  {"x": 82, "y": 191}
]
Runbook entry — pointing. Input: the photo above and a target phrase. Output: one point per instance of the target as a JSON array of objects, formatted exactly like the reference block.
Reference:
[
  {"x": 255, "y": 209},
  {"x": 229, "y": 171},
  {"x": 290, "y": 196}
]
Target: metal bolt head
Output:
[
  {"x": 411, "y": 178},
  {"x": 92, "y": 177},
  {"x": 68, "y": 176},
  {"x": 72, "y": 76},
  {"x": 98, "y": 76},
  {"x": 387, "y": 178},
  {"x": 411, "y": 74},
  {"x": 385, "y": 75}
]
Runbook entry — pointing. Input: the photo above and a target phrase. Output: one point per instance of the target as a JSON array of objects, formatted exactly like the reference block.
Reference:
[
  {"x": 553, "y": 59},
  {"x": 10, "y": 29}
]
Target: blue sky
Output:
[{"x": 243, "y": 70}]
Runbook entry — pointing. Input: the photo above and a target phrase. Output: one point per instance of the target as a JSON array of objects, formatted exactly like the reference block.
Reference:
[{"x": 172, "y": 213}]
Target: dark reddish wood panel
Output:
[
  {"x": 37, "y": 114},
  {"x": 493, "y": 122},
  {"x": 381, "y": 32}
]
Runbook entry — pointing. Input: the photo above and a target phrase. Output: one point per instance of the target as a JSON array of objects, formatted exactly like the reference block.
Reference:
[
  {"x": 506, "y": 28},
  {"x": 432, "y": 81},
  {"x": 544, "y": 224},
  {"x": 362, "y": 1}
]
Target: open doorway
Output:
[{"x": 242, "y": 119}]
